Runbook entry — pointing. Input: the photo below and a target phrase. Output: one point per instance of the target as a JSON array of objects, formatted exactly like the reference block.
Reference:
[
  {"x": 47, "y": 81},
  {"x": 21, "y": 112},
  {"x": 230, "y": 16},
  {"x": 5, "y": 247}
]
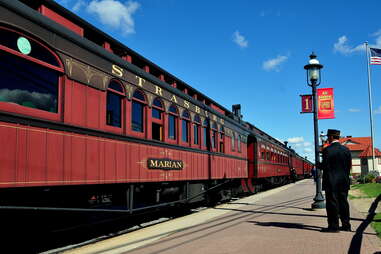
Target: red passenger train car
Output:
[{"x": 83, "y": 117}]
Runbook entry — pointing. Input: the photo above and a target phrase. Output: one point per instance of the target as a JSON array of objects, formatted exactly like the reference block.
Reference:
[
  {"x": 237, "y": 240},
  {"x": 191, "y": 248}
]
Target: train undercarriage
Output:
[{"x": 135, "y": 197}]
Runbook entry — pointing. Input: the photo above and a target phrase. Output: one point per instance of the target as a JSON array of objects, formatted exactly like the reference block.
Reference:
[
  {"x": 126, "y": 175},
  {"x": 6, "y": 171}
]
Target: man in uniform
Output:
[{"x": 336, "y": 166}]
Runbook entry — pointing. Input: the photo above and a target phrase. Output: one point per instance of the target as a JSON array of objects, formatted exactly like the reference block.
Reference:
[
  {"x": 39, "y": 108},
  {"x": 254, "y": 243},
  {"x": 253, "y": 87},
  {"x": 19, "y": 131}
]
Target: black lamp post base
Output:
[
  {"x": 318, "y": 205},
  {"x": 318, "y": 201}
]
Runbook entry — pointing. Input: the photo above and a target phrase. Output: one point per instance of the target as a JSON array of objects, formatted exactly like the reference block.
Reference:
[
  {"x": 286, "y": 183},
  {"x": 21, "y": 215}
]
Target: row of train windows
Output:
[
  {"x": 115, "y": 96},
  {"x": 28, "y": 83},
  {"x": 274, "y": 157}
]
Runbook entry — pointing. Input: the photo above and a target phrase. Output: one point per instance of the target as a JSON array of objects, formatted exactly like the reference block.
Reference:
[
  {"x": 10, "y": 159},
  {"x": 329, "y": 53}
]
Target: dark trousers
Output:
[{"x": 337, "y": 206}]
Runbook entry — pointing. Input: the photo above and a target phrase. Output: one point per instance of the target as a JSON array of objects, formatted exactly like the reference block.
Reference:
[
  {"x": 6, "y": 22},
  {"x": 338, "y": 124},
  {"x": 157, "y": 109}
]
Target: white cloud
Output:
[
  {"x": 378, "y": 33},
  {"x": 342, "y": 46},
  {"x": 240, "y": 40},
  {"x": 378, "y": 110},
  {"x": 295, "y": 140},
  {"x": 115, "y": 14},
  {"x": 378, "y": 39},
  {"x": 303, "y": 148},
  {"x": 78, "y": 5},
  {"x": 264, "y": 13},
  {"x": 307, "y": 144},
  {"x": 307, "y": 150},
  {"x": 273, "y": 64},
  {"x": 354, "y": 110}
]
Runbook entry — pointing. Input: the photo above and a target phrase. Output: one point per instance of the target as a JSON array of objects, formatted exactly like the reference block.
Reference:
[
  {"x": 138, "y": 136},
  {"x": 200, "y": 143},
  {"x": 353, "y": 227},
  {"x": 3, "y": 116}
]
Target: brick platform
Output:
[{"x": 276, "y": 221}]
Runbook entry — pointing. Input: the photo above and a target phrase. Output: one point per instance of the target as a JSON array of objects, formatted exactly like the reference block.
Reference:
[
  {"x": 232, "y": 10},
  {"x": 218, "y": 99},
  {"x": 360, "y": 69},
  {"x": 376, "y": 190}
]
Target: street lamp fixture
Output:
[
  {"x": 313, "y": 70},
  {"x": 313, "y": 80}
]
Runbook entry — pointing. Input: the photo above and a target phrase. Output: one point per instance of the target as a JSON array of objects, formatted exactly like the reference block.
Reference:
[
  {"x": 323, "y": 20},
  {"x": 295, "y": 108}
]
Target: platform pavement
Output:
[{"x": 275, "y": 221}]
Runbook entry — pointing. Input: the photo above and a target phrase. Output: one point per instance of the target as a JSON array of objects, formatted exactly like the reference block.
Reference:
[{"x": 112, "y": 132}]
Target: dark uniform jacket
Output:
[{"x": 336, "y": 165}]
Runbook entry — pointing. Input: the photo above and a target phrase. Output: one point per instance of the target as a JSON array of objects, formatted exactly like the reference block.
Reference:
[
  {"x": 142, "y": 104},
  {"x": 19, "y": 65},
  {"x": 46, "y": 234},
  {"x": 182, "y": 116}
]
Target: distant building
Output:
[{"x": 361, "y": 150}]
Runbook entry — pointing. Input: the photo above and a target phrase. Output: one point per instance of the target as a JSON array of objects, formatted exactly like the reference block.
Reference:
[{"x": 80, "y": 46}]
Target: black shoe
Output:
[
  {"x": 348, "y": 228},
  {"x": 330, "y": 230}
]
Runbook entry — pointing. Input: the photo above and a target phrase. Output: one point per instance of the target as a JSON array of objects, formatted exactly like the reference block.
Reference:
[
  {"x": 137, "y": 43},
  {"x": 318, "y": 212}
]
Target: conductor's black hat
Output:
[{"x": 332, "y": 132}]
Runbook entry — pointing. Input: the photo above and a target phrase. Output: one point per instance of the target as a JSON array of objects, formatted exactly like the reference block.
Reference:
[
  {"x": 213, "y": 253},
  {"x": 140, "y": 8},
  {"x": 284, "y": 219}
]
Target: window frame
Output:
[
  {"x": 204, "y": 132},
  {"x": 34, "y": 112},
  {"x": 144, "y": 113},
  {"x": 158, "y": 121},
  {"x": 122, "y": 106},
  {"x": 233, "y": 142},
  {"x": 214, "y": 136},
  {"x": 187, "y": 121},
  {"x": 176, "y": 125},
  {"x": 196, "y": 127},
  {"x": 221, "y": 146}
]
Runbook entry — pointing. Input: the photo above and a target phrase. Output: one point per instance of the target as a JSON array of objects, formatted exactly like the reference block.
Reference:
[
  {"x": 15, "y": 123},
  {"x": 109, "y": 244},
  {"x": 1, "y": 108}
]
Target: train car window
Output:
[
  {"x": 214, "y": 135},
  {"x": 196, "y": 134},
  {"x": 157, "y": 119},
  {"x": 213, "y": 139},
  {"x": 172, "y": 122},
  {"x": 115, "y": 93},
  {"x": 137, "y": 113},
  {"x": 28, "y": 84},
  {"x": 239, "y": 143},
  {"x": 222, "y": 147},
  {"x": 197, "y": 119},
  {"x": 233, "y": 142},
  {"x": 222, "y": 133},
  {"x": 116, "y": 86},
  {"x": 185, "y": 126},
  {"x": 214, "y": 126},
  {"x": 196, "y": 130},
  {"x": 157, "y": 108},
  {"x": 30, "y": 72},
  {"x": 205, "y": 132}
]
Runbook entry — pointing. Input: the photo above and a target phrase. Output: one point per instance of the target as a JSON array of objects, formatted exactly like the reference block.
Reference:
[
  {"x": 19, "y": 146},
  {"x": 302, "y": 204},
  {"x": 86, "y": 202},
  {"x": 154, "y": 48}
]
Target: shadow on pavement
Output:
[
  {"x": 279, "y": 213},
  {"x": 287, "y": 225},
  {"x": 207, "y": 228},
  {"x": 355, "y": 246}
]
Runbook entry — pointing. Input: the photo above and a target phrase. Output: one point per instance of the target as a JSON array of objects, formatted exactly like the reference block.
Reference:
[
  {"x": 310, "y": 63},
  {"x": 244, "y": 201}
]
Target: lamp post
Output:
[{"x": 313, "y": 80}]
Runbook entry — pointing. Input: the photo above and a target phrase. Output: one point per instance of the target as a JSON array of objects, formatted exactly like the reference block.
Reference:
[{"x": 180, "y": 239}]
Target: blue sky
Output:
[{"x": 253, "y": 53}]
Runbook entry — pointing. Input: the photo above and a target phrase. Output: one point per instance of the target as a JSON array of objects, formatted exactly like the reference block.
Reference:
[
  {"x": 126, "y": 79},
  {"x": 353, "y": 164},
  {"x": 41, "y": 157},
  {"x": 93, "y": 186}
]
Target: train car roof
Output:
[{"x": 86, "y": 25}]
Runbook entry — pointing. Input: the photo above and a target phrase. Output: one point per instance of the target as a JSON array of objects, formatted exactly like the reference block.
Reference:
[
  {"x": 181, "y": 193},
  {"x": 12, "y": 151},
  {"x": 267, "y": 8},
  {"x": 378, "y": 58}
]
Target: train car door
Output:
[{"x": 252, "y": 156}]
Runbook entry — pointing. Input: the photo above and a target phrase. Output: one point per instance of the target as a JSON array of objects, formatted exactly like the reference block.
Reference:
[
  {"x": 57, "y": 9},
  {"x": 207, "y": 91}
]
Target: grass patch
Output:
[
  {"x": 376, "y": 224},
  {"x": 371, "y": 190},
  {"x": 356, "y": 197}
]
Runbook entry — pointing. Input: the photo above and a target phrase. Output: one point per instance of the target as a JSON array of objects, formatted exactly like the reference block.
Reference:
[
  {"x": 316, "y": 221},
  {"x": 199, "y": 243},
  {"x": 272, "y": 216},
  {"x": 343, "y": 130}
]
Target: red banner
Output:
[
  {"x": 307, "y": 103},
  {"x": 325, "y": 103}
]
